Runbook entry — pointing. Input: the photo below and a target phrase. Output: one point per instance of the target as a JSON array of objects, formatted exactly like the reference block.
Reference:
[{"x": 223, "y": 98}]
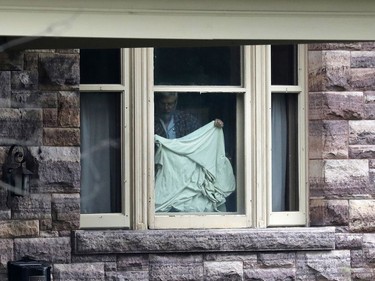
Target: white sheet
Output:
[{"x": 192, "y": 173}]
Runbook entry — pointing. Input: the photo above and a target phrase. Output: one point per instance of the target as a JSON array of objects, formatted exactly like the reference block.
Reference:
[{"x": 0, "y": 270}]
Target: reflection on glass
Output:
[
  {"x": 284, "y": 153},
  {"x": 100, "y": 153},
  {"x": 100, "y": 66},
  {"x": 284, "y": 65},
  {"x": 197, "y": 66},
  {"x": 194, "y": 160}
]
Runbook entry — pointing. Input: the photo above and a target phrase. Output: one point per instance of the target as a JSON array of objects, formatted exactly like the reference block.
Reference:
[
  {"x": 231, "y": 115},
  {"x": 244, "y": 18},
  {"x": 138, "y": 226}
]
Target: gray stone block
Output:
[
  {"x": 79, "y": 271},
  {"x": 32, "y": 206},
  {"x": 6, "y": 253},
  {"x": 52, "y": 250},
  {"x": 5, "y": 89},
  {"x": 223, "y": 270},
  {"x": 270, "y": 274},
  {"x": 33, "y": 99},
  {"x": 226, "y": 240}
]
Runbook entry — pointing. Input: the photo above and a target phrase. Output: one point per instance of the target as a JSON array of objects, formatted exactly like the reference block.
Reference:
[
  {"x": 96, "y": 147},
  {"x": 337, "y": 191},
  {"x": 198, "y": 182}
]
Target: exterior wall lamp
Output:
[{"x": 15, "y": 173}]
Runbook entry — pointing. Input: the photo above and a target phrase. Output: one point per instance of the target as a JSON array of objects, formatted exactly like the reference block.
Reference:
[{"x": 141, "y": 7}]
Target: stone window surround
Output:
[{"x": 92, "y": 242}]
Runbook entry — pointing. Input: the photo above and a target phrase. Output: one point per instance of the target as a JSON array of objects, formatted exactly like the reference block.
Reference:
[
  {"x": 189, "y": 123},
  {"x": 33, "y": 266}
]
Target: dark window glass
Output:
[
  {"x": 197, "y": 66},
  {"x": 284, "y": 152},
  {"x": 284, "y": 65},
  {"x": 191, "y": 189},
  {"x": 100, "y": 153},
  {"x": 100, "y": 66}
]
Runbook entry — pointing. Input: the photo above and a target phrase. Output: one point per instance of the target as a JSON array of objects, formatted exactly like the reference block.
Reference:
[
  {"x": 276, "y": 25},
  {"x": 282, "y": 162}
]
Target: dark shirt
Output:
[{"x": 184, "y": 123}]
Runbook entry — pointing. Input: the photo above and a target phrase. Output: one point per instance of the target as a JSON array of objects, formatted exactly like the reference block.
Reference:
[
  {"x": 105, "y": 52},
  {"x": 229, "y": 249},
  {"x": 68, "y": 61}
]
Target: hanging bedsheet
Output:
[{"x": 192, "y": 173}]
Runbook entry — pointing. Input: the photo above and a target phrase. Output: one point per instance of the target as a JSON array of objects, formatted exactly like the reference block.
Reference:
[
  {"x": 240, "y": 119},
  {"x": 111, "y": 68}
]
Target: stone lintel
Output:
[{"x": 228, "y": 240}]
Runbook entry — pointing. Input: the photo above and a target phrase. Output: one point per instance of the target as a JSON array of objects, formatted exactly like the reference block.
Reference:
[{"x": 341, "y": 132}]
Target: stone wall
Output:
[
  {"x": 342, "y": 147},
  {"x": 39, "y": 108}
]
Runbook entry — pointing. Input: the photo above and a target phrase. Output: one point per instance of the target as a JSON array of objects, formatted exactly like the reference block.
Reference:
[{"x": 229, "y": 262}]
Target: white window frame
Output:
[
  {"x": 138, "y": 89},
  {"x": 122, "y": 219}
]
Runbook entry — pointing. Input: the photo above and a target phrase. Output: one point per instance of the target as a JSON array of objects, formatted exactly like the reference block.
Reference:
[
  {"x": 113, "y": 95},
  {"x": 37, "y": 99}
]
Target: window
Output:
[{"x": 135, "y": 103}]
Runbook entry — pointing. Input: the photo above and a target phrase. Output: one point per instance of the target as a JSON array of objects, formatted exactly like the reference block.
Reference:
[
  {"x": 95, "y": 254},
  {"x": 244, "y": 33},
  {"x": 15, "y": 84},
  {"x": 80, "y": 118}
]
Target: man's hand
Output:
[{"x": 218, "y": 123}]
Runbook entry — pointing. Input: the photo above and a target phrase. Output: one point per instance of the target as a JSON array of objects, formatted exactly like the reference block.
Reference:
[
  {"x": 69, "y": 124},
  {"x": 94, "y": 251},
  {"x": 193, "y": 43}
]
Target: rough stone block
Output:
[
  {"x": 61, "y": 137},
  {"x": 19, "y": 228},
  {"x": 128, "y": 276},
  {"x": 357, "y": 259},
  {"x": 362, "y": 151},
  {"x": 31, "y": 62},
  {"x": 270, "y": 274},
  {"x": 53, "y": 250},
  {"x": 223, "y": 270},
  {"x": 58, "y": 168},
  {"x": 133, "y": 262},
  {"x": 363, "y": 79},
  {"x": 50, "y": 117},
  {"x": 32, "y": 206},
  {"x": 78, "y": 271},
  {"x": 348, "y": 241},
  {"x": 369, "y": 248},
  {"x": 6, "y": 253},
  {"x": 329, "y": 70},
  {"x": 24, "y": 80},
  {"x": 11, "y": 60},
  {"x": 362, "y": 132},
  {"x": 94, "y": 258},
  {"x": 176, "y": 267},
  {"x": 277, "y": 259},
  {"x": 336, "y": 105},
  {"x": 339, "y": 179},
  {"x": 228, "y": 240},
  {"x": 328, "y": 139},
  {"x": 329, "y": 212},
  {"x": 362, "y": 215},
  {"x": 58, "y": 71},
  {"x": 69, "y": 117},
  {"x": 336, "y": 46},
  {"x": 334, "y": 265},
  {"x": 65, "y": 211},
  {"x": 362, "y": 59},
  {"x": 369, "y": 107},
  {"x": 363, "y": 274},
  {"x": 5, "y": 91},
  {"x": 21, "y": 126},
  {"x": 33, "y": 99},
  {"x": 249, "y": 260},
  {"x": 4, "y": 214}
]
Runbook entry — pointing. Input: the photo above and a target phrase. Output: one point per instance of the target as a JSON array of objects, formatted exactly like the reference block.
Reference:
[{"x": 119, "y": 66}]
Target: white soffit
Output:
[{"x": 258, "y": 20}]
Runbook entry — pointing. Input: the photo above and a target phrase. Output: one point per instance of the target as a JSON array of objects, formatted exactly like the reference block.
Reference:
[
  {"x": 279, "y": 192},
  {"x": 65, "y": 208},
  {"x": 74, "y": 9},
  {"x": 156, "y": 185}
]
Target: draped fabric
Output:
[{"x": 192, "y": 173}]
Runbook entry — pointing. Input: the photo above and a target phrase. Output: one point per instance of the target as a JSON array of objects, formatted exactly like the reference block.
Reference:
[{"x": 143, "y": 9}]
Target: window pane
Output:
[
  {"x": 196, "y": 171},
  {"x": 284, "y": 65},
  {"x": 284, "y": 152},
  {"x": 100, "y": 153},
  {"x": 197, "y": 66},
  {"x": 100, "y": 66}
]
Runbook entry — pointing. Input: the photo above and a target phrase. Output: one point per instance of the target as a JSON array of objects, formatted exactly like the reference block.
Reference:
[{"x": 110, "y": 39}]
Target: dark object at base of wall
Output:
[{"x": 28, "y": 269}]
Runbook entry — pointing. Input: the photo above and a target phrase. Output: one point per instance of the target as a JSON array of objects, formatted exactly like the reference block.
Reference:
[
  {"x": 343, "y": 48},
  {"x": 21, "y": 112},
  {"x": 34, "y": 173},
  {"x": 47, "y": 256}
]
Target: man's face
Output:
[{"x": 167, "y": 105}]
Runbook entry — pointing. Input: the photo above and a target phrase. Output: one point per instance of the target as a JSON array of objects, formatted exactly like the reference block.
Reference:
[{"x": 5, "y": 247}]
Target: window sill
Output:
[{"x": 212, "y": 240}]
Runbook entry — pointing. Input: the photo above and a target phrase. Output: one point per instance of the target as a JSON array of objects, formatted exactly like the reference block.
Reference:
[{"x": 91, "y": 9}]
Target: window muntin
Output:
[
  {"x": 100, "y": 153},
  {"x": 197, "y": 66}
]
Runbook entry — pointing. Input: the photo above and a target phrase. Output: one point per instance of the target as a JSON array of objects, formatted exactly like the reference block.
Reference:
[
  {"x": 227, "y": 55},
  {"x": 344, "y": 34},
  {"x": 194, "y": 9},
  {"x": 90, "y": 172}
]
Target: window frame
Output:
[
  {"x": 122, "y": 219},
  {"x": 138, "y": 89}
]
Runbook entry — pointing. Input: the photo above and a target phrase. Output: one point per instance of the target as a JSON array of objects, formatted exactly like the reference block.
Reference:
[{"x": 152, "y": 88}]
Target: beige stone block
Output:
[
  {"x": 362, "y": 215},
  {"x": 328, "y": 139},
  {"x": 19, "y": 228},
  {"x": 362, "y": 79},
  {"x": 329, "y": 212},
  {"x": 61, "y": 137},
  {"x": 336, "y": 105},
  {"x": 340, "y": 179}
]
